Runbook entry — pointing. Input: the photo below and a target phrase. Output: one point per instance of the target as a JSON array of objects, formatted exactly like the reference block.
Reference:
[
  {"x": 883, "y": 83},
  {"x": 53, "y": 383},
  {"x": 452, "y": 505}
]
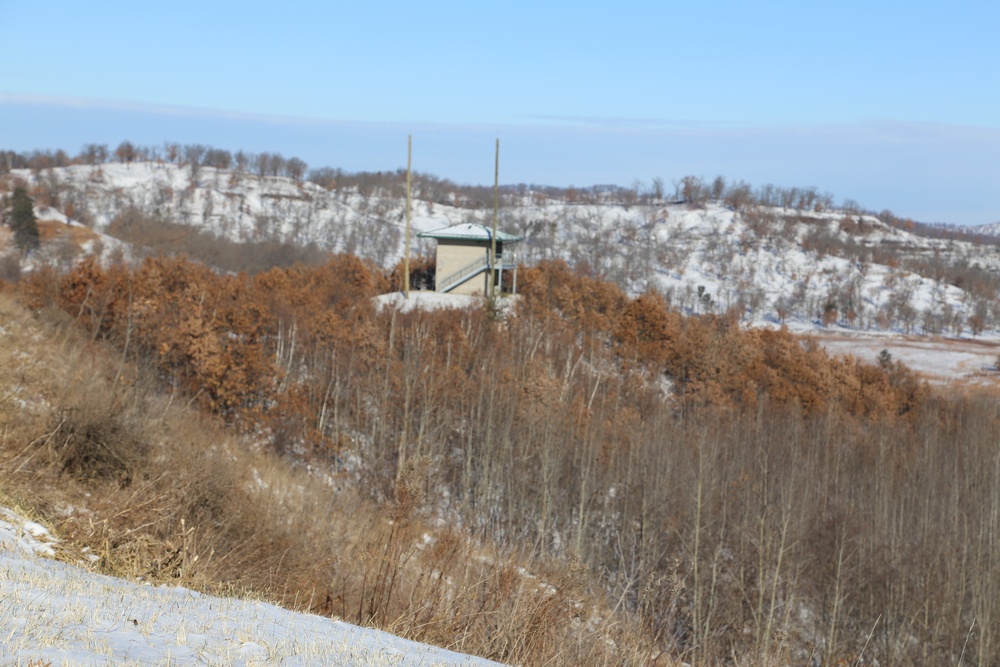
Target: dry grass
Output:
[
  {"x": 162, "y": 494},
  {"x": 51, "y": 230}
]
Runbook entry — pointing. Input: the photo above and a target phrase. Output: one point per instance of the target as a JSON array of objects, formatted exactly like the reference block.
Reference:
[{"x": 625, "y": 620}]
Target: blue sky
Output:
[{"x": 893, "y": 104}]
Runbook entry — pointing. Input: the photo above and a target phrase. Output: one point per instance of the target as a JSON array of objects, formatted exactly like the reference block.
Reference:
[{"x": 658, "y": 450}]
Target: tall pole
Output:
[
  {"x": 406, "y": 253},
  {"x": 491, "y": 288}
]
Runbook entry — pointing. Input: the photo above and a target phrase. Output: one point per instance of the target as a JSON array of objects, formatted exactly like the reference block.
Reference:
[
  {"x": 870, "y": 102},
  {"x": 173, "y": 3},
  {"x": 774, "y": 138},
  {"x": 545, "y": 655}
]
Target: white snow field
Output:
[
  {"x": 56, "y": 613},
  {"x": 944, "y": 361}
]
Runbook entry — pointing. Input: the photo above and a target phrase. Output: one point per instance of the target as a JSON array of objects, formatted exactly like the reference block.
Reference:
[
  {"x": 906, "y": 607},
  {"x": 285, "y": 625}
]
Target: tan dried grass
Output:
[{"x": 161, "y": 494}]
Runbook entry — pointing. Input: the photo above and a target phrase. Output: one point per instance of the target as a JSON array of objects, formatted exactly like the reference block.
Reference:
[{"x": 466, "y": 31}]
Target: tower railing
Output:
[
  {"x": 471, "y": 270},
  {"x": 456, "y": 278}
]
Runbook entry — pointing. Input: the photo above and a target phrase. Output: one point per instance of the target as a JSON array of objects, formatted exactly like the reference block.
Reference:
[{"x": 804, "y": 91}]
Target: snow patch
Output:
[
  {"x": 420, "y": 300},
  {"x": 59, "y": 613}
]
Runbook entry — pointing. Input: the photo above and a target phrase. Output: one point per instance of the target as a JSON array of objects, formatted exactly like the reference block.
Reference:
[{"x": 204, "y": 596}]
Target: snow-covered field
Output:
[
  {"x": 52, "y": 612},
  {"x": 963, "y": 361}
]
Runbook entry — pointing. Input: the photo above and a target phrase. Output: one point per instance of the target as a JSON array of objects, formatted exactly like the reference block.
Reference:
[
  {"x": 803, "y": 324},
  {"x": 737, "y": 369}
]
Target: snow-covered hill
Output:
[
  {"x": 991, "y": 229},
  {"x": 807, "y": 268},
  {"x": 61, "y": 614}
]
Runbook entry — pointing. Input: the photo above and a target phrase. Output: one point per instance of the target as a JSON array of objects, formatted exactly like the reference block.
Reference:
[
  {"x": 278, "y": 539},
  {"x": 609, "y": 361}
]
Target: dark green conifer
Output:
[{"x": 21, "y": 219}]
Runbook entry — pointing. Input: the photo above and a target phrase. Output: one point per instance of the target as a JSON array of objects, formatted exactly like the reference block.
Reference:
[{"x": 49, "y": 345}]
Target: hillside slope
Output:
[
  {"x": 55, "y": 612},
  {"x": 594, "y": 479},
  {"x": 809, "y": 267},
  {"x": 137, "y": 484}
]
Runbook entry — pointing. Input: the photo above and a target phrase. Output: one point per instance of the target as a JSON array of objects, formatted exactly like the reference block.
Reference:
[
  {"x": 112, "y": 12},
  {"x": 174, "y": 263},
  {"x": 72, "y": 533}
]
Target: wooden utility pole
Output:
[
  {"x": 490, "y": 286},
  {"x": 406, "y": 251}
]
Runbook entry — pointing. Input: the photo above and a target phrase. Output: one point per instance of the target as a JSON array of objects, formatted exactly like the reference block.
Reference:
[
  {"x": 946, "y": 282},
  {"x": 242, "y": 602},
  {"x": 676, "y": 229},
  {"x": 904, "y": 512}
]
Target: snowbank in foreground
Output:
[{"x": 55, "y": 612}]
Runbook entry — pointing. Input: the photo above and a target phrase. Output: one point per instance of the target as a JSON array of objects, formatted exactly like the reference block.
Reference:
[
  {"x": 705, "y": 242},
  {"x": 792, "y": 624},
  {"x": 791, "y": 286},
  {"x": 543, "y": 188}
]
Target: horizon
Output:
[{"x": 891, "y": 106}]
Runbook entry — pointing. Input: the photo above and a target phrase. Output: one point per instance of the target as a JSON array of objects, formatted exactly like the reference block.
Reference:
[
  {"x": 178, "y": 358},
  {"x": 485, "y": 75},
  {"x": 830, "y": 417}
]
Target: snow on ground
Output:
[
  {"x": 58, "y": 613},
  {"x": 421, "y": 300},
  {"x": 939, "y": 360},
  {"x": 243, "y": 207}
]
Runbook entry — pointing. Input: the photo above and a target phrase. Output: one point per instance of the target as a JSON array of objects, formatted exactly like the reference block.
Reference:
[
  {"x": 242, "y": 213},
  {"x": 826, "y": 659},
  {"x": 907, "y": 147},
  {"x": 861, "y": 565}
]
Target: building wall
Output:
[{"x": 453, "y": 255}]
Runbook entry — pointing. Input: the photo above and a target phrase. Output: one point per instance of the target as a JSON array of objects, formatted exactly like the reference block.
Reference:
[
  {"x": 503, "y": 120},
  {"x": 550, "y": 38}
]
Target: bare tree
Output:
[
  {"x": 718, "y": 188},
  {"x": 276, "y": 164},
  {"x": 125, "y": 152},
  {"x": 218, "y": 158},
  {"x": 296, "y": 169},
  {"x": 242, "y": 161},
  {"x": 739, "y": 196},
  {"x": 656, "y": 191},
  {"x": 93, "y": 154},
  {"x": 693, "y": 191}
]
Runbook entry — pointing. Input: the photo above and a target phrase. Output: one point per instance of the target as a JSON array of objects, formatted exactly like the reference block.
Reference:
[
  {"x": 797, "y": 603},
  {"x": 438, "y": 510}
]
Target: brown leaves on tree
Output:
[
  {"x": 710, "y": 359},
  {"x": 284, "y": 350}
]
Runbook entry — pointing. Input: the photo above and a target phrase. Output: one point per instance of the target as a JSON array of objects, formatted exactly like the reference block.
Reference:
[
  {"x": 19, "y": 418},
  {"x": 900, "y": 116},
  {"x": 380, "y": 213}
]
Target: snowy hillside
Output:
[
  {"x": 806, "y": 268},
  {"x": 991, "y": 229},
  {"x": 771, "y": 265},
  {"x": 238, "y": 207},
  {"x": 61, "y": 614}
]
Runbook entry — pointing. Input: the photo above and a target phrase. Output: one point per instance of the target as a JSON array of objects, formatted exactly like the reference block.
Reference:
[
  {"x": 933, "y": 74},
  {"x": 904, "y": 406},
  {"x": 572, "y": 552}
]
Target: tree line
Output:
[{"x": 689, "y": 189}]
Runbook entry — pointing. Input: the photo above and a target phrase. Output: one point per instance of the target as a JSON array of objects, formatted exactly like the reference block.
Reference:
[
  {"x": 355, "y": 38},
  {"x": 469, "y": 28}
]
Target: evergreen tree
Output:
[{"x": 21, "y": 219}]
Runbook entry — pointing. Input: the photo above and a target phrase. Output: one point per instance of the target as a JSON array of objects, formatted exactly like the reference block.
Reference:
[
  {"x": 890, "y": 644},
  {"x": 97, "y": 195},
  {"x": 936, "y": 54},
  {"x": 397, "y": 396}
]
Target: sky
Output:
[{"x": 894, "y": 105}]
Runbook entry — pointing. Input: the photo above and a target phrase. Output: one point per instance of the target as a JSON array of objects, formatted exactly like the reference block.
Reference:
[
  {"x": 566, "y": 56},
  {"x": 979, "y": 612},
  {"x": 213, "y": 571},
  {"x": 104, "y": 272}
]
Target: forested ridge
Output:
[
  {"x": 591, "y": 473},
  {"x": 243, "y": 343},
  {"x": 685, "y": 488}
]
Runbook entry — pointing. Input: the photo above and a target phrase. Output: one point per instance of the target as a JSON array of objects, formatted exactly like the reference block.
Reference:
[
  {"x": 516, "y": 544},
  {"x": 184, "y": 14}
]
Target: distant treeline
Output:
[{"x": 691, "y": 190}]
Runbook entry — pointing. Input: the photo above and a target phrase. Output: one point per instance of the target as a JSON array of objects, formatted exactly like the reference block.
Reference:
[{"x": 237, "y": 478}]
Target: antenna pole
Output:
[
  {"x": 406, "y": 253},
  {"x": 491, "y": 288}
]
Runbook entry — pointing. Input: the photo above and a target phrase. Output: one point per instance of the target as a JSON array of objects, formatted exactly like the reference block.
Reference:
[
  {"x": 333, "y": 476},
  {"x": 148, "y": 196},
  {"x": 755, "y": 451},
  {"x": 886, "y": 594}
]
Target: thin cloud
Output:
[
  {"x": 629, "y": 122},
  {"x": 64, "y": 102},
  {"x": 928, "y": 171},
  {"x": 178, "y": 111},
  {"x": 874, "y": 131}
]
